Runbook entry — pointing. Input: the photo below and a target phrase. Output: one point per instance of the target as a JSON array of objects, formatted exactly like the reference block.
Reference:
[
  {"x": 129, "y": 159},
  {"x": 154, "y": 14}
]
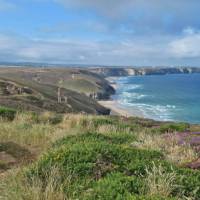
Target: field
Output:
[
  {"x": 38, "y": 90},
  {"x": 75, "y": 156}
]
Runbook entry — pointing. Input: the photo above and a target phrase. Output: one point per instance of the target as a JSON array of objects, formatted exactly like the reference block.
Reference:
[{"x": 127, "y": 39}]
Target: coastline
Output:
[
  {"x": 115, "y": 107},
  {"x": 112, "y": 81}
]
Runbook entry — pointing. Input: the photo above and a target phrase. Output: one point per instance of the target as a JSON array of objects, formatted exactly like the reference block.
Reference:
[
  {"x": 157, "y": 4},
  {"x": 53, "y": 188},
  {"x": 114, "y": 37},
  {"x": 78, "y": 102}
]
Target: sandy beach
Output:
[
  {"x": 115, "y": 110},
  {"x": 115, "y": 107}
]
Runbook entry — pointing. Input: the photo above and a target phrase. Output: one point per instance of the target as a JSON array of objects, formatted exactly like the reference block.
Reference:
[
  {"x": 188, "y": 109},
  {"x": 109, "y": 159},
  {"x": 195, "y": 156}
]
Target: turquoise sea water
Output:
[{"x": 168, "y": 97}]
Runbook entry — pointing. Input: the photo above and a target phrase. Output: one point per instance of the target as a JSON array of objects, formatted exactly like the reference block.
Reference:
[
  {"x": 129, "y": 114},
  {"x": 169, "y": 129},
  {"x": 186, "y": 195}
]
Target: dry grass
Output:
[
  {"x": 36, "y": 136},
  {"x": 160, "y": 183},
  {"x": 25, "y": 134},
  {"x": 176, "y": 153},
  {"x": 27, "y": 130},
  {"x": 105, "y": 129},
  {"x": 21, "y": 188},
  {"x": 71, "y": 121},
  {"x": 36, "y": 133}
]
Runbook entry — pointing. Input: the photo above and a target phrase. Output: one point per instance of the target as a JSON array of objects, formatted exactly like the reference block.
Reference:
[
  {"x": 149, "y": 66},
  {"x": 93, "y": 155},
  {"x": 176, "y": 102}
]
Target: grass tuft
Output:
[{"x": 159, "y": 182}]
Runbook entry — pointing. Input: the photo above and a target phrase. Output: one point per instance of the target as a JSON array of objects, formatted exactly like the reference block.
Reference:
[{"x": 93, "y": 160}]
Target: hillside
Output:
[
  {"x": 37, "y": 90},
  {"x": 49, "y": 156},
  {"x": 66, "y": 90}
]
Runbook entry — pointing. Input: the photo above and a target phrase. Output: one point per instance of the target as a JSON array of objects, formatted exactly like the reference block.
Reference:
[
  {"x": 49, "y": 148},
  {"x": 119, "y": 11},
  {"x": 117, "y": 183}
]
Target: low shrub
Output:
[
  {"x": 91, "y": 157},
  {"x": 7, "y": 113},
  {"x": 174, "y": 127},
  {"x": 102, "y": 168},
  {"x": 115, "y": 186}
]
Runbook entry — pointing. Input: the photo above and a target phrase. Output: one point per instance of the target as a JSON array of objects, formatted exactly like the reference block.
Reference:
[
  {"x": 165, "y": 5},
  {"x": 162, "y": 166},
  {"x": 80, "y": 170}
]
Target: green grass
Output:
[
  {"x": 92, "y": 157},
  {"x": 7, "y": 113},
  {"x": 80, "y": 85},
  {"x": 171, "y": 127}
]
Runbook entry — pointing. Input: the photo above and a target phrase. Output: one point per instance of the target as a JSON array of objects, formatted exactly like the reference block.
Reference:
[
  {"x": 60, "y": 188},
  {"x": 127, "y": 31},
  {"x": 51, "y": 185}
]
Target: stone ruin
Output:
[{"x": 8, "y": 88}]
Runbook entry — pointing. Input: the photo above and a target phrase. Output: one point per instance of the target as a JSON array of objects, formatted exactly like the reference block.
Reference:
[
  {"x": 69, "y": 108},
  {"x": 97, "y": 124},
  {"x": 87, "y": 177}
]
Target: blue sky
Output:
[{"x": 105, "y": 32}]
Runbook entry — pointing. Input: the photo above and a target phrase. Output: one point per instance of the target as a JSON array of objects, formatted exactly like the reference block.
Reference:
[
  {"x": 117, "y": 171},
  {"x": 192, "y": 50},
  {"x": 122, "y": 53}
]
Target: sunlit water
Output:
[{"x": 168, "y": 97}]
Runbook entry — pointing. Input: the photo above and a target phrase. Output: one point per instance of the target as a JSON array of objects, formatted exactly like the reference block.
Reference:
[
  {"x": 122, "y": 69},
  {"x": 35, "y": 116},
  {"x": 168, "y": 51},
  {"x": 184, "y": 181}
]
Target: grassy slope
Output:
[
  {"x": 94, "y": 157},
  {"x": 44, "y": 84}
]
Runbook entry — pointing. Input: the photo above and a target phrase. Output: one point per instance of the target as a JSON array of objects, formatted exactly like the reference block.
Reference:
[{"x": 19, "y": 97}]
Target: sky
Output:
[{"x": 101, "y": 32}]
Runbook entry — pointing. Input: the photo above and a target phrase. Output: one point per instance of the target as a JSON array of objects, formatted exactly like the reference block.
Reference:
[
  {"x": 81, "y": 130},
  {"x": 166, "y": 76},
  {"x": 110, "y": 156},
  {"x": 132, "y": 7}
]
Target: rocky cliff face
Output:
[{"x": 144, "y": 71}]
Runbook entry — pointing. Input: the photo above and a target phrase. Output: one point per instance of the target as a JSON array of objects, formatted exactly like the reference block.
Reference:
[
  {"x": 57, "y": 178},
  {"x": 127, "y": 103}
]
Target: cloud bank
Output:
[
  {"x": 114, "y": 32},
  {"x": 139, "y": 51}
]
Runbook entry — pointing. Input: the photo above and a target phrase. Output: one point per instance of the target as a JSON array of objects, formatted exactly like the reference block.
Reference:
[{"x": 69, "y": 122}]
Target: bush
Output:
[
  {"x": 115, "y": 186},
  {"x": 101, "y": 164},
  {"x": 91, "y": 157},
  {"x": 7, "y": 113},
  {"x": 174, "y": 127}
]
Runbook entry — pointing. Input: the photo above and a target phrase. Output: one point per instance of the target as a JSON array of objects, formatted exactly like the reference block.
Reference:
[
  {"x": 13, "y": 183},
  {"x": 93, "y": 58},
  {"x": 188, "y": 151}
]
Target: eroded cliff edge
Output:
[{"x": 130, "y": 71}]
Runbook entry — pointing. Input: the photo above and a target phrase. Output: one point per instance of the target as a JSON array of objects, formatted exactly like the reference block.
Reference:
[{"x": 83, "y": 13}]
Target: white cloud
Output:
[
  {"x": 157, "y": 50},
  {"x": 189, "y": 31},
  {"x": 73, "y": 51},
  {"x": 186, "y": 46},
  {"x": 140, "y": 16},
  {"x": 130, "y": 41}
]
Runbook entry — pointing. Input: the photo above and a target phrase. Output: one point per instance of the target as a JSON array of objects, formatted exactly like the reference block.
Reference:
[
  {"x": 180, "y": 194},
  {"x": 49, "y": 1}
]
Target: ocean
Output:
[{"x": 161, "y": 97}]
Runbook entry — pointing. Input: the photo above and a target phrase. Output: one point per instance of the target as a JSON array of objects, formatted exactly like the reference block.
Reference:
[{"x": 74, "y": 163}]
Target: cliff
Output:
[{"x": 130, "y": 71}]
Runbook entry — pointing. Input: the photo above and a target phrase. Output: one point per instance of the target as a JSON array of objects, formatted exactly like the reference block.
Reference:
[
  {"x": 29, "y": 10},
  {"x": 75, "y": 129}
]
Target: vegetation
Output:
[
  {"x": 39, "y": 90},
  {"x": 170, "y": 127},
  {"x": 50, "y": 156},
  {"x": 7, "y": 113}
]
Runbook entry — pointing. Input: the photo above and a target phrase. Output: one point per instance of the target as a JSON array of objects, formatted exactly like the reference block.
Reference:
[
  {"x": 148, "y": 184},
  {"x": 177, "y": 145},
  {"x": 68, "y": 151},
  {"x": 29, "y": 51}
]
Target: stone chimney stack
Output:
[{"x": 59, "y": 95}]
